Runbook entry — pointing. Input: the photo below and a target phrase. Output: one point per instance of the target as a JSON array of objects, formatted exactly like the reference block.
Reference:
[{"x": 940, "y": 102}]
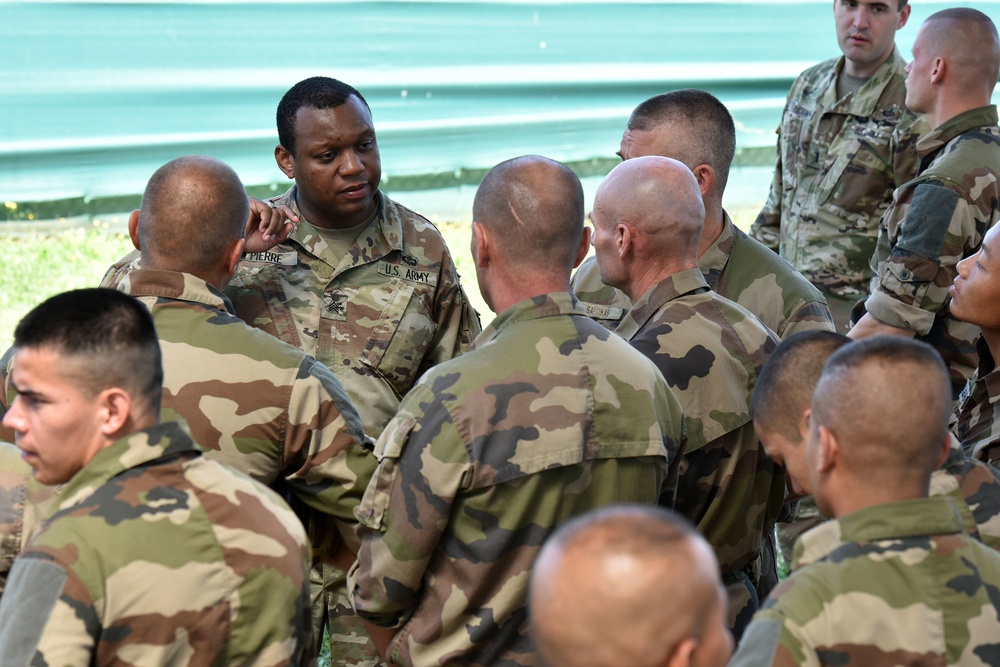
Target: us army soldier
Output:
[
  {"x": 846, "y": 141},
  {"x": 550, "y": 415},
  {"x": 155, "y": 554}
]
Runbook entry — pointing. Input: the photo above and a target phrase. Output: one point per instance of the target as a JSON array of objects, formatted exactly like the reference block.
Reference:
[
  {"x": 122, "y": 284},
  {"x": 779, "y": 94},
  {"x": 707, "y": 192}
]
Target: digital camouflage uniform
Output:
[
  {"x": 258, "y": 405},
  {"x": 838, "y": 162},
  {"x": 549, "y": 416},
  {"x": 976, "y": 419},
  {"x": 710, "y": 351},
  {"x": 736, "y": 267},
  {"x": 894, "y": 584},
  {"x": 159, "y": 556},
  {"x": 936, "y": 220},
  {"x": 24, "y": 503}
]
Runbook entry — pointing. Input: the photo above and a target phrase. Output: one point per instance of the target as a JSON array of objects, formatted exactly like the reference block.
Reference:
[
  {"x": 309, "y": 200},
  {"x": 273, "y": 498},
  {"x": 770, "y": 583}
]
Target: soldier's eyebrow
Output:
[{"x": 21, "y": 391}]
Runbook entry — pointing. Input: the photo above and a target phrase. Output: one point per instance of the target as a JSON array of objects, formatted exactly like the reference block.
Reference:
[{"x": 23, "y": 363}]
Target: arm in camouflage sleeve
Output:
[
  {"x": 767, "y": 227},
  {"x": 766, "y": 642},
  {"x": 913, "y": 281},
  {"x": 809, "y": 316},
  {"x": 406, "y": 508},
  {"x": 326, "y": 448},
  {"x": 46, "y": 616},
  {"x": 457, "y": 322}
]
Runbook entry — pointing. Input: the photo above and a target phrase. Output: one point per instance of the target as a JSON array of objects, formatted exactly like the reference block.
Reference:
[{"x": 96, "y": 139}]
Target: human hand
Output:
[{"x": 267, "y": 225}]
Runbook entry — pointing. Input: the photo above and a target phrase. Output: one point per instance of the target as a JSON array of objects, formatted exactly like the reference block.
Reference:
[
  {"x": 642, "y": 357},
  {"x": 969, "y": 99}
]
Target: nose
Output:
[
  {"x": 909, "y": 66},
  {"x": 351, "y": 163},
  {"x": 963, "y": 265},
  {"x": 861, "y": 18},
  {"x": 13, "y": 418}
]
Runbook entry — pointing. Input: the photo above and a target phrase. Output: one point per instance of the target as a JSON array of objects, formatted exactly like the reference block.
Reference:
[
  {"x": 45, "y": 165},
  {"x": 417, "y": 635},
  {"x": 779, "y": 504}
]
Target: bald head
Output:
[
  {"x": 627, "y": 585},
  {"x": 648, "y": 216},
  {"x": 785, "y": 385},
  {"x": 192, "y": 211},
  {"x": 968, "y": 38},
  {"x": 886, "y": 400},
  {"x": 533, "y": 207}
]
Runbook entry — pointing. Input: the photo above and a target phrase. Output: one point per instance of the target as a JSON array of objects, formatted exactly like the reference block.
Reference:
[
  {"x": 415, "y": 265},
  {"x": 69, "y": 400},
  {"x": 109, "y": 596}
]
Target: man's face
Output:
[
  {"x": 605, "y": 248},
  {"x": 336, "y": 165},
  {"x": 56, "y": 426},
  {"x": 866, "y": 32},
  {"x": 787, "y": 453},
  {"x": 918, "y": 72},
  {"x": 975, "y": 294}
]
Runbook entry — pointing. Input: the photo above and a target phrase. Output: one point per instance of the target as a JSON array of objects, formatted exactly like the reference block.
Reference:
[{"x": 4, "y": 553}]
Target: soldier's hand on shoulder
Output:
[{"x": 267, "y": 225}]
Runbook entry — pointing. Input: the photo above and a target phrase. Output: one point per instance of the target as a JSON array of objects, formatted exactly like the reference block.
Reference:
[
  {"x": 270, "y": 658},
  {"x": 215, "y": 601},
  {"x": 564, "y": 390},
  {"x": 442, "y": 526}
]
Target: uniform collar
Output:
[
  {"x": 679, "y": 284},
  {"x": 166, "y": 440},
  {"x": 863, "y": 101},
  {"x": 714, "y": 261},
  {"x": 929, "y": 144},
  {"x": 174, "y": 285},
  {"x": 543, "y": 305}
]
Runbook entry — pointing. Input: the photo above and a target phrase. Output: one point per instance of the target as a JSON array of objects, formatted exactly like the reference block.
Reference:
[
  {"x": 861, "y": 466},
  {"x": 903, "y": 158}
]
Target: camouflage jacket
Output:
[
  {"x": 257, "y": 404},
  {"x": 378, "y": 317},
  {"x": 894, "y": 584},
  {"x": 549, "y": 416},
  {"x": 975, "y": 489},
  {"x": 936, "y": 220},
  {"x": 710, "y": 351},
  {"x": 24, "y": 503},
  {"x": 157, "y": 555},
  {"x": 976, "y": 419},
  {"x": 738, "y": 268},
  {"x": 838, "y": 162}
]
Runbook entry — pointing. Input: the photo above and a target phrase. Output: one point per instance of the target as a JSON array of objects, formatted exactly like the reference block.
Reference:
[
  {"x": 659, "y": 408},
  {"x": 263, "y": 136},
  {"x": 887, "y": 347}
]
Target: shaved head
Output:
[
  {"x": 658, "y": 200},
  {"x": 967, "y": 39},
  {"x": 785, "y": 385},
  {"x": 192, "y": 210},
  {"x": 886, "y": 399},
  {"x": 534, "y": 208},
  {"x": 627, "y": 585}
]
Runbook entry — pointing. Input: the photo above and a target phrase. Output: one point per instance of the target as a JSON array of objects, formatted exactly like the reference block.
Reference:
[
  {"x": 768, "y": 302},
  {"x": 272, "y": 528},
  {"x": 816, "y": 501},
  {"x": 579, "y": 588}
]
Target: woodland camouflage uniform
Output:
[
  {"x": 894, "y": 584},
  {"x": 157, "y": 555},
  {"x": 710, "y": 351},
  {"x": 548, "y": 417}
]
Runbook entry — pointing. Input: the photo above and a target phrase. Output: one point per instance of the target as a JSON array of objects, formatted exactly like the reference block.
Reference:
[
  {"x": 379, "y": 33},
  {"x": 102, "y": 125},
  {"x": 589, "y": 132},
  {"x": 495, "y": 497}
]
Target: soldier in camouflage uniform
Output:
[
  {"x": 629, "y": 585},
  {"x": 550, "y": 415},
  {"x": 647, "y": 219},
  {"x": 24, "y": 503},
  {"x": 846, "y": 141},
  {"x": 894, "y": 580},
  {"x": 694, "y": 127},
  {"x": 155, "y": 555},
  {"x": 362, "y": 283},
  {"x": 975, "y": 298},
  {"x": 779, "y": 407},
  {"x": 941, "y": 216}
]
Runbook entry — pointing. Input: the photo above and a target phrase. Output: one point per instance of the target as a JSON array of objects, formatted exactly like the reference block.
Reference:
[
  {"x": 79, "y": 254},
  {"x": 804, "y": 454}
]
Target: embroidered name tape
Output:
[
  {"x": 407, "y": 273},
  {"x": 289, "y": 258}
]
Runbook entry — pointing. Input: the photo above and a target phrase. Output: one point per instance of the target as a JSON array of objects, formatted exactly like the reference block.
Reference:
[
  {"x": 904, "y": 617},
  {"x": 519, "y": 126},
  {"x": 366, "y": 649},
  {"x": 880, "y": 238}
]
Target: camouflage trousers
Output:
[
  {"x": 741, "y": 591},
  {"x": 350, "y": 645}
]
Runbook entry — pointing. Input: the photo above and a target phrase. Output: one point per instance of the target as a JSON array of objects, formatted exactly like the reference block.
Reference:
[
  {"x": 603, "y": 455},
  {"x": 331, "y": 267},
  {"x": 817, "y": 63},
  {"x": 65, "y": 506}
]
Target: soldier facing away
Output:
[
  {"x": 941, "y": 216},
  {"x": 845, "y": 142},
  {"x": 548, "y": 416},
  {"x": 647, "y": 218},
  {"x": 629, "y": 585},
  {"x": 894, "y": 579},
  {"x": 155, "y": 554}
]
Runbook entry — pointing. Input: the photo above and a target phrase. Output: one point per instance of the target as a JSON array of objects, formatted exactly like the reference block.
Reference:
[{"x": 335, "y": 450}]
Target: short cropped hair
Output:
[
  {"x": 318, "y": 92},
  {"x": 108, "y": 334},
  {"x": 713, "y": 132},
  {"x": 786, "y": 383}
]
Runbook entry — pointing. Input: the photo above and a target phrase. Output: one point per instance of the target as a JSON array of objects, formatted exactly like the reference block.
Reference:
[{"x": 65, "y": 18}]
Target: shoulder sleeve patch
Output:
[
  {"x": 32, "y": 592},
  {"x": 927, "y": 219}
]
